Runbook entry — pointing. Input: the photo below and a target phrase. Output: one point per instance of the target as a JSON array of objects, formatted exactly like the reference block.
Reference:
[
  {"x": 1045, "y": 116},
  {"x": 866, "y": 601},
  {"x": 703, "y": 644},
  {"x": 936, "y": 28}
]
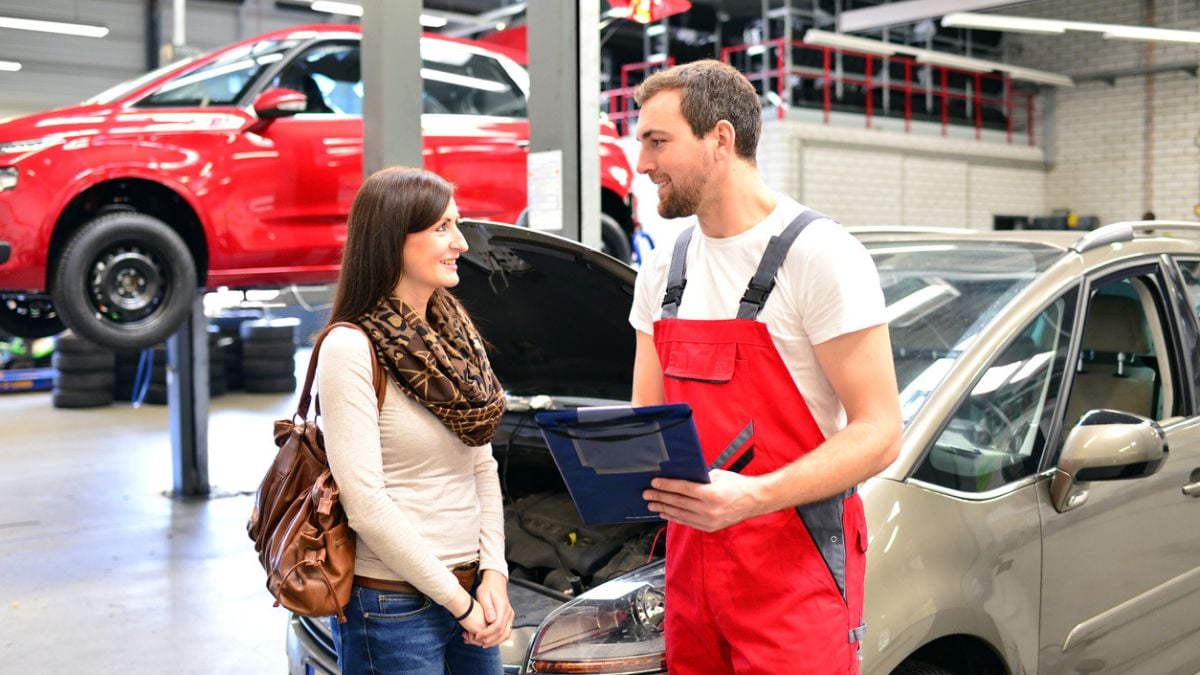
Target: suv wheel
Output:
[
  {"x": 125, "y": 281},
  {"x": 28, "y": 317}
]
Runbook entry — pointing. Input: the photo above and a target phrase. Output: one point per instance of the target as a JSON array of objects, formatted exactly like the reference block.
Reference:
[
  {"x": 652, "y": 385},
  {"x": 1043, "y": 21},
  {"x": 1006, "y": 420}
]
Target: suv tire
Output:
[
  {"x": 613, "y": 239},
  {"x": 126, "y": 281}
]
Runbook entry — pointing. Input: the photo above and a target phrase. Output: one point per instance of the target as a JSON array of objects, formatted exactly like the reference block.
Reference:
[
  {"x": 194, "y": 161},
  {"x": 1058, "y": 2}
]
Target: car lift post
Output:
[
  {"x": 187, "y": 402},
  {"x": 564, "y": 111},
  {"x": 391, "y": 72}
]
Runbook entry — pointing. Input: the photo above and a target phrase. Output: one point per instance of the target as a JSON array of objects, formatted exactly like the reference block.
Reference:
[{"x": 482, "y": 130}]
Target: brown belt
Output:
[{"x": 466, "y": 574}]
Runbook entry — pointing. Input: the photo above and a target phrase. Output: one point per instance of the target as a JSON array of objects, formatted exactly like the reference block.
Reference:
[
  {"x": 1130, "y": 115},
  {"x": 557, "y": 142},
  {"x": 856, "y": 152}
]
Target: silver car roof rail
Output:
[
  {"x": 1126, "y": 231},
  {"x": 906, "y": 229}
]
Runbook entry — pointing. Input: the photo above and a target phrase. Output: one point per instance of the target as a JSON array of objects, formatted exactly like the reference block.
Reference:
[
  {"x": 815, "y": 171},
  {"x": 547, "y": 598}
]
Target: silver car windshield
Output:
[{"x": 940, "y": 296}]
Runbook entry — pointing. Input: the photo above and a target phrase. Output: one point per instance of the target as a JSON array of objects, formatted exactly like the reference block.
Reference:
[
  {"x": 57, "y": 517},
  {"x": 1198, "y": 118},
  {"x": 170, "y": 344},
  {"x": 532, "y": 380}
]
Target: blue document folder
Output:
[{"x": 607, "y": 456}]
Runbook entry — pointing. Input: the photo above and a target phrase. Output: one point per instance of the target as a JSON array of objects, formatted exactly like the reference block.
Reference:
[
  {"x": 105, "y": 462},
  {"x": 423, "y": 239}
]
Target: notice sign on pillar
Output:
[{"x": 544, "y": 175}]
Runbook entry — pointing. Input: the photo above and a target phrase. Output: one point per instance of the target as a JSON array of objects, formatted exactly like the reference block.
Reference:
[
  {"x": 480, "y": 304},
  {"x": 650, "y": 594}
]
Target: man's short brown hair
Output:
[{"x": 711, "y": 91}]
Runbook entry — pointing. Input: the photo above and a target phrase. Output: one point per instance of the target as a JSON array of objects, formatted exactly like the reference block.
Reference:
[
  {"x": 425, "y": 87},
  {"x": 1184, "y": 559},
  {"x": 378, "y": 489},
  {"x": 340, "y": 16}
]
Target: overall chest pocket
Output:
[{"x": 701, "y": 362}]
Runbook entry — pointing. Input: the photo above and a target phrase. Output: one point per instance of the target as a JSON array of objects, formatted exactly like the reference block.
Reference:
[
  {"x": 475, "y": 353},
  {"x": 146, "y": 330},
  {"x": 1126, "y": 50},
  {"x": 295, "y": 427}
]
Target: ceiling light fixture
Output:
[
  {"x": 343, "y": 8},
  {"x": 353, "y": 9},
  {"x": 60, "y": 27},
  {"x": 929, "y": 56},
  {"x": 1039, "y": 76},
  {"x": 10, "y": 66},
  {"x": 1152, "y": 34},
  {"x": 1016, "y": 24},
  {"x": 431, "y": 21},
  {"x": 1020, "y": 24},
  {"x": 955, "y": 61},
  {"x": 825, "y": 38}
]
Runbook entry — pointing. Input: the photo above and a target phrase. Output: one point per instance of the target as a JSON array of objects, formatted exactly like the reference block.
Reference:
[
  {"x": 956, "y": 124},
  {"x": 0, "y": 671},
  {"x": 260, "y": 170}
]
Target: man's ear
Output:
[{"x": 726, "y": 138}]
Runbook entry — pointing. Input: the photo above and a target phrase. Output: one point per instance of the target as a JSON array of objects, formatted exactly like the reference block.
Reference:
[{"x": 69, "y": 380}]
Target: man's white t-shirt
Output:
[{"x": 827, "y": 286}]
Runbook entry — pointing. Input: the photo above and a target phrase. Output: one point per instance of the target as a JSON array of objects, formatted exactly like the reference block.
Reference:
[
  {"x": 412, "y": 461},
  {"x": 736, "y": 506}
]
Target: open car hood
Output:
[{"x": 555, "y": 313}]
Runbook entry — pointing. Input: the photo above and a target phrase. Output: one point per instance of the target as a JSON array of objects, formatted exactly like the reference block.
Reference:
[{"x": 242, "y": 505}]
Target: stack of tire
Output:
[
  {"x": 269, "y": 355},
  {"x": 83, "y": 375},
  {"x": 229, "y": 340}
]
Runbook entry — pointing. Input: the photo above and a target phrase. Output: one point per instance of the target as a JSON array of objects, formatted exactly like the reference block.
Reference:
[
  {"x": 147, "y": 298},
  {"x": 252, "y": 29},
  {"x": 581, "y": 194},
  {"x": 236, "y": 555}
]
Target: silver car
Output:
[{"x": 1043, "y": 515}]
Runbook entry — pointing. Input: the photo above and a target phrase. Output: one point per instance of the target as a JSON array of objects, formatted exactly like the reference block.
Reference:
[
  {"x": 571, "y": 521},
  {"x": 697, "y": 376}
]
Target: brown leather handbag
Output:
[{"x": 298, "y": 526}]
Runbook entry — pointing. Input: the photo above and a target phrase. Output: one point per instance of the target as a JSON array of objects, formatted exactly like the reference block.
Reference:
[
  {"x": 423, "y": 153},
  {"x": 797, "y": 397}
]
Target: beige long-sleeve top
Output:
[{"x": 418, "y": 498}]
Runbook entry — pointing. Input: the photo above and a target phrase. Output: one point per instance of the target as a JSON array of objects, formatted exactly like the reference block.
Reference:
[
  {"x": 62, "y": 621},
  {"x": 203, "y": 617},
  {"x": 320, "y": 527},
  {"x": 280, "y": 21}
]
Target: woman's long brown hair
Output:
[{"x": 391, "y": 203}]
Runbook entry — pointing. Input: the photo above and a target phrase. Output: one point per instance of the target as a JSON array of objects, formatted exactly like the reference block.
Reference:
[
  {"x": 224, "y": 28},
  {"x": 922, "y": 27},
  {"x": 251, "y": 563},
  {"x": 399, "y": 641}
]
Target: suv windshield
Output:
[
  {"x": 222, "y": 81},
  {"x": 128, "y": 86},
  {"x": 939, "y": 297}
]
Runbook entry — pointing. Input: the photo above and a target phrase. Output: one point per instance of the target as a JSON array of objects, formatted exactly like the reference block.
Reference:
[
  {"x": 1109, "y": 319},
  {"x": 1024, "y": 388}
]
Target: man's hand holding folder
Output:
[{"x": 608, "y": 456}]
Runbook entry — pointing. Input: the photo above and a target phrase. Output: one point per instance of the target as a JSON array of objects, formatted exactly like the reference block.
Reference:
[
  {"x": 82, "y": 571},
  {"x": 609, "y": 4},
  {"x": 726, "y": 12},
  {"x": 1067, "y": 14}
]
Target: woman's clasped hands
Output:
[{"x": 490, "y": 622}]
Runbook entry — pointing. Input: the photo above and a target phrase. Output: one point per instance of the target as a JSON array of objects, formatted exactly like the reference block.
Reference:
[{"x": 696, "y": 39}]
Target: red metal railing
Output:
[
  {"x": 621, "y": 109},
  {"x": 771, "y": 75}
]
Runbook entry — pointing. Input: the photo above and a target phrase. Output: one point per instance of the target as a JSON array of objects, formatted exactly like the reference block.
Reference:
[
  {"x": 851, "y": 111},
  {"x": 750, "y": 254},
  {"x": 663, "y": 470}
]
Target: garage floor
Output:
[{"x": 100, "y": 572}]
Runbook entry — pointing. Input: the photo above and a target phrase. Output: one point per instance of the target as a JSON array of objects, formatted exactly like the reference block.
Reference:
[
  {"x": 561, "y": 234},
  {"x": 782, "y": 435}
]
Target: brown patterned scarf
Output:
[{"x": 440, "y": 363}]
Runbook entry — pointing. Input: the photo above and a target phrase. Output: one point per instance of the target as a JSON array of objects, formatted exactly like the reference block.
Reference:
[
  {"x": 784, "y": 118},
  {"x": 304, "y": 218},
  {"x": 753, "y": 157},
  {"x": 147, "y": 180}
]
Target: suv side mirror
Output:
[
  {"x": 278, "y": 102},
  {"x": 1105, "y": 445}
]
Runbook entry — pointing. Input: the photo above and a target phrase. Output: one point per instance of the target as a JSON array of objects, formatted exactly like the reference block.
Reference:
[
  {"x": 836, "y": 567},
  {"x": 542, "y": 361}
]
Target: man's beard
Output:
[{"x": 683, "y": 200}]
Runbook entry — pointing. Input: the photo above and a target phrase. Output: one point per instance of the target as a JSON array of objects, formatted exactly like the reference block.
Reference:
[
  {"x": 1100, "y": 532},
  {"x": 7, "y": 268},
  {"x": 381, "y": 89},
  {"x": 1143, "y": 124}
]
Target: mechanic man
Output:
[{"x": 769, "y": 320}]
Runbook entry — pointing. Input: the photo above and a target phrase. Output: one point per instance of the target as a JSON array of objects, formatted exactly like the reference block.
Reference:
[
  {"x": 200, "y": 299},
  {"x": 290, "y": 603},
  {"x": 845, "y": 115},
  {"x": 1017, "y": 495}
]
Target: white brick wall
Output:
[
  {"x": 935, "y": 192},
  {"x": 874, "y": 177},
  {"x": 1098, "y": 161},
  {"x": 854, "y": 186}
]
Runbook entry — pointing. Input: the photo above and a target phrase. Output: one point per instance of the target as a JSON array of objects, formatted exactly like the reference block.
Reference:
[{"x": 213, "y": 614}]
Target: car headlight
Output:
[
  {"x": 614, "y": 628},
  {"x": 17, "y": 147},
  {"x": 8, "y": 178}
]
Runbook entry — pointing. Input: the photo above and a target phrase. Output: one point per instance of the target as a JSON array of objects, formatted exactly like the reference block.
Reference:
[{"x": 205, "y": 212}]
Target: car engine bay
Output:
[{"x": 546, "y": 543}]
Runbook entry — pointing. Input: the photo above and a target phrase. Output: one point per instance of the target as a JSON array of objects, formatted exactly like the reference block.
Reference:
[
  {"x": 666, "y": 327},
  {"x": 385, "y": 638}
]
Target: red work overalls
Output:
[{"x": 781, "y": 593}]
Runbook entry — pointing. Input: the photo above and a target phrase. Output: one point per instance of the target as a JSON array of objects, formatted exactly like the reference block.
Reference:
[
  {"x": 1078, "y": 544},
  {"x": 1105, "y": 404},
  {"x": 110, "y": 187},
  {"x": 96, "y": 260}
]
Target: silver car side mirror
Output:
[{"x": 1105, "y": 445}]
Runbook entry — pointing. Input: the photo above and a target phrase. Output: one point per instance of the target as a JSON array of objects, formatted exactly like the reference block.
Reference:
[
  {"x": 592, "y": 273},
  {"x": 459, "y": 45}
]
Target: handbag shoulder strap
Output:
[{"x": 377, "y": 376}]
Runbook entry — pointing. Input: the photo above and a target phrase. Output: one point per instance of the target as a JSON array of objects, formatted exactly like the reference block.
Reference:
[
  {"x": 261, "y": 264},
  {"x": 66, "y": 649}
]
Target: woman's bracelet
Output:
[{"x": 470, "y": 608}]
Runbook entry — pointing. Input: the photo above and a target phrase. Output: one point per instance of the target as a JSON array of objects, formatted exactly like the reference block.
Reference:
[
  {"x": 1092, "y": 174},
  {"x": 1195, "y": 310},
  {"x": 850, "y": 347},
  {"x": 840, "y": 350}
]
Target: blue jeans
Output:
[{"x": 390, "y": 633}]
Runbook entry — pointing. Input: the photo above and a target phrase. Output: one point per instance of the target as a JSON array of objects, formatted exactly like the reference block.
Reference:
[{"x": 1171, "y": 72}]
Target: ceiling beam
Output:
[{"x": 908, "y": 11}]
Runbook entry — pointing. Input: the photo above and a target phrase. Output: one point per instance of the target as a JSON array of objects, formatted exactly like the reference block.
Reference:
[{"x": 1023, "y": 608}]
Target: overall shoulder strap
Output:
[
  {"x": 677, "y": 276},
  {"x": 763, "y": 281}
]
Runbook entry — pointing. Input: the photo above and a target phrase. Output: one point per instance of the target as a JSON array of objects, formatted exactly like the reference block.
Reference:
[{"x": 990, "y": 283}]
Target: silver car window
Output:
[
  {"x": 940, "y": 295},
  {"x": 998, "y": 433},
  {"x": 1124, "y": 363}
]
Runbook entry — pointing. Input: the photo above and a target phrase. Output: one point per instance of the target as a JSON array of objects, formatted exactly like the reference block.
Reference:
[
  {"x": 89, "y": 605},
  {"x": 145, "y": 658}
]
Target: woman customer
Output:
[{"x": 417, "y": 478}]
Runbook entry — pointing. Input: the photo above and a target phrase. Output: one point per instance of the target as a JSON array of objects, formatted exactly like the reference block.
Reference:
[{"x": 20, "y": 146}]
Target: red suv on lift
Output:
[{"x": 237, "y": 169}]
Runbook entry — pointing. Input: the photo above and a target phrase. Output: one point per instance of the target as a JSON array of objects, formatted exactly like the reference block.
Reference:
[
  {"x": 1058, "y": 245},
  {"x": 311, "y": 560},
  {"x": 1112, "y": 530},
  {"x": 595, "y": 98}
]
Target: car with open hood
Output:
[
  {"x": 1043, "y": 511},
  {"x": 237, "y": 169}
]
